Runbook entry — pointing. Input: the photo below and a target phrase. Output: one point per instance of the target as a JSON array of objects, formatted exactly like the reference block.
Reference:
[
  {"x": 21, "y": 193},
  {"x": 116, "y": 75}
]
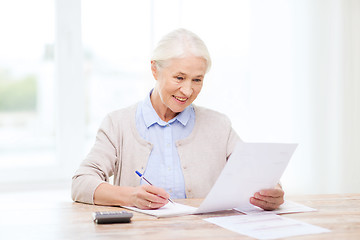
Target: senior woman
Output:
[{"x": 180, "y": 147}]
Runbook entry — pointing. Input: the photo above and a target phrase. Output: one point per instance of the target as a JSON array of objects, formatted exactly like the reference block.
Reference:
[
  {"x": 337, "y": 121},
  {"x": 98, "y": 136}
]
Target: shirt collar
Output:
[{"x": 151, "y": 117}]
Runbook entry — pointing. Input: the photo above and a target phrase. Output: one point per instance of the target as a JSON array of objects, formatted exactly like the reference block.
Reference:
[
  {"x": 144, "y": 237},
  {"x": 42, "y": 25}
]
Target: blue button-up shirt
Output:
[{"x": 164, "y": 168}]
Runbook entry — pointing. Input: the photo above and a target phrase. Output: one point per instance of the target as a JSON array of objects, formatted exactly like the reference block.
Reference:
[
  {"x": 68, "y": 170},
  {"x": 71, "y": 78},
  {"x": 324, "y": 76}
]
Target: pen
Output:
[{"x": 142, "y": 176}]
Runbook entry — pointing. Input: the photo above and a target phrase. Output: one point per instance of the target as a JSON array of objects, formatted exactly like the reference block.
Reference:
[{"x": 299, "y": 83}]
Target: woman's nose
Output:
[{"x": 186, "y": 88}]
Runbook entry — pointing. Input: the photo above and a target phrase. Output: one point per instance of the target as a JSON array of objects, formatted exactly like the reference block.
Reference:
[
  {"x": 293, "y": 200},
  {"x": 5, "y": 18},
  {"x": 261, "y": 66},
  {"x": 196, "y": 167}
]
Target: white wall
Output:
[
  {"x": 327, "y": 51},
  {"x": 296, "y": 79}
]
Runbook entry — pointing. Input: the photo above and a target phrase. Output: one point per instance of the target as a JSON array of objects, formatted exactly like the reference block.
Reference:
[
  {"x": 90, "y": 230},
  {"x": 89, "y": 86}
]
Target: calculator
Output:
[{"x": 112, "y": 217}]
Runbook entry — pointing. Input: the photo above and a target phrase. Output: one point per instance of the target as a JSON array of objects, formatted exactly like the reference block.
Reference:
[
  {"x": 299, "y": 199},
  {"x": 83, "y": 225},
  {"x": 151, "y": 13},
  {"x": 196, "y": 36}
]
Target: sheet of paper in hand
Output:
[{"x": 250, "y": 168}]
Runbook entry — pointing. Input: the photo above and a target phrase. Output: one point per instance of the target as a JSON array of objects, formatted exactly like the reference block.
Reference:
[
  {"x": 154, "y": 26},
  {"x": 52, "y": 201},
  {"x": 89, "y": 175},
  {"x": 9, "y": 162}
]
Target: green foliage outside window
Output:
[{"x": 17, "y": 94}]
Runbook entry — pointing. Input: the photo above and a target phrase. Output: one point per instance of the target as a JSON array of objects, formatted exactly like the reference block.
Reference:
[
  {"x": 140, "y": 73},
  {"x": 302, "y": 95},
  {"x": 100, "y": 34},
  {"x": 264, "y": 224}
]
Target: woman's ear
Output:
[{"x": 154, "y": 69}]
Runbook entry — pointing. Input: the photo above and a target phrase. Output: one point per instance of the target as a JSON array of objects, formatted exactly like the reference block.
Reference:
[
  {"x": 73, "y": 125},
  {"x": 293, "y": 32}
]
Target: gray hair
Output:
[{"x": 178, "y": 44}]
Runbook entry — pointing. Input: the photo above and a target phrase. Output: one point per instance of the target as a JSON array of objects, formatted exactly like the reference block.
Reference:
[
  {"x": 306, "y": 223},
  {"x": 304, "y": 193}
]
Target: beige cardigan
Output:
[{"x": 119, "y": 150}]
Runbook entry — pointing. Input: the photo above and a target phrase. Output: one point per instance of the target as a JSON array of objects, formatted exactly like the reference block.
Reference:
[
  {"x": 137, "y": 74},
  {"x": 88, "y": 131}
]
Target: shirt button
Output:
[{"x": 185, "y": 167}]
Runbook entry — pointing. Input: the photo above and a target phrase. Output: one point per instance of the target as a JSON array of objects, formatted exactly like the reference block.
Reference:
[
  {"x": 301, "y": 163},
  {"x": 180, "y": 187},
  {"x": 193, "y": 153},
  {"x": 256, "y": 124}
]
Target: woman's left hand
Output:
[{"x": 268, "y": 199}]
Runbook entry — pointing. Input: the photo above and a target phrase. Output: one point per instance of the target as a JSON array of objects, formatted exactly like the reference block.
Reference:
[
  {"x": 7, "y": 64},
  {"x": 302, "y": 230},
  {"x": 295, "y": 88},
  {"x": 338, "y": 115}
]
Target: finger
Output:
[
  {"x": 154, "y": 205},
  {"x": 157, "y": 191},
  {"x": 155, "y": 194},
  {"x": 274, "y": 200},
  {"x": 263, "y": 204},
  {"x": 147, "y": 205},
  {"x": 275, "y": 192}
]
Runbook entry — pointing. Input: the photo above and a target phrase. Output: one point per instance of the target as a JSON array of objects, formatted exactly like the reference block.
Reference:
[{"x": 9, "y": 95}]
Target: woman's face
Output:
[{"x": 178, "y": 84}]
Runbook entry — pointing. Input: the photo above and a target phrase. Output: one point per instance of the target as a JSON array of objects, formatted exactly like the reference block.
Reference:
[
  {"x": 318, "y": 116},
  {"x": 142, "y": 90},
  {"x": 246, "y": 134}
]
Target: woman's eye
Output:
[
  {"x": 197, "y": 80},
  {"x": 179, "y": 78}
]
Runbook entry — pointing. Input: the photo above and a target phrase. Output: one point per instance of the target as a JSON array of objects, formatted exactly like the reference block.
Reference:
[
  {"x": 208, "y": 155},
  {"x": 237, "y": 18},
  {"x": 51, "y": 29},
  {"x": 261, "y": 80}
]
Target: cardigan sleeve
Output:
[
  {"x": 98, "y": 165},
  {"x": 233, "y": 139}
]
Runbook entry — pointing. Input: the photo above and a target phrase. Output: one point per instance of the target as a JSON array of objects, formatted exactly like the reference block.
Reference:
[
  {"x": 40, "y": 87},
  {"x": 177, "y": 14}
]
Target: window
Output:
[
  {"x": 116, "y": 56},
  {"x": 27, "y": 133},
  {"x": 99, "y": 63}
]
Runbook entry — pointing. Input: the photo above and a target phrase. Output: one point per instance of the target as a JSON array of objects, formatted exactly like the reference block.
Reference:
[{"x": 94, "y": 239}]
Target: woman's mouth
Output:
[{"x": 181, "y": 99}]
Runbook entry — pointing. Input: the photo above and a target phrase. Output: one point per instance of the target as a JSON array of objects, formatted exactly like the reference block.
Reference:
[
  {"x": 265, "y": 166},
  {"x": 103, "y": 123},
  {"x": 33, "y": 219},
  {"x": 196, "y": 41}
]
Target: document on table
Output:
[
  {"x": 169, "y": 210},
  {"x": 250, "y": 168},
  {"x": 286, "y": 207},
  {"x": 266, "y": 226}
]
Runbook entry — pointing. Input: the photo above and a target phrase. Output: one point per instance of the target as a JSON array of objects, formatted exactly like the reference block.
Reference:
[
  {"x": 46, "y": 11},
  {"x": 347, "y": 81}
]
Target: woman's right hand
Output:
[
  {"x": 149, "y": 197},
  {"x": 143, "y": 197}
]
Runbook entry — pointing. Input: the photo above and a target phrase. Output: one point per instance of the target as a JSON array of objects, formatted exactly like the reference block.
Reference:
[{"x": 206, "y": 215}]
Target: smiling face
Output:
[{"x": 177, "y": 85}]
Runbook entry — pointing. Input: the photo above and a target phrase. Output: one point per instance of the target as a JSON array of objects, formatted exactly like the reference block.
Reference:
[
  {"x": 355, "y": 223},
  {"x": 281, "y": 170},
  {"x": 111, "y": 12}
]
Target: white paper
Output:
[
  {"x": 250, "y": 168},
  {"x": 266, "y": 226},
  {"x": 286, "y": 207},
  {"x": 169, "y": 210}
]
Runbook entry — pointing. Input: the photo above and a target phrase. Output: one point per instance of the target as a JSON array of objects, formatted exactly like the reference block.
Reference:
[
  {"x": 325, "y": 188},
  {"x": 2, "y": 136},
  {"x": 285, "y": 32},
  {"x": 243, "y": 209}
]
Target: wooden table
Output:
[{"x": 52, "y": 215}]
